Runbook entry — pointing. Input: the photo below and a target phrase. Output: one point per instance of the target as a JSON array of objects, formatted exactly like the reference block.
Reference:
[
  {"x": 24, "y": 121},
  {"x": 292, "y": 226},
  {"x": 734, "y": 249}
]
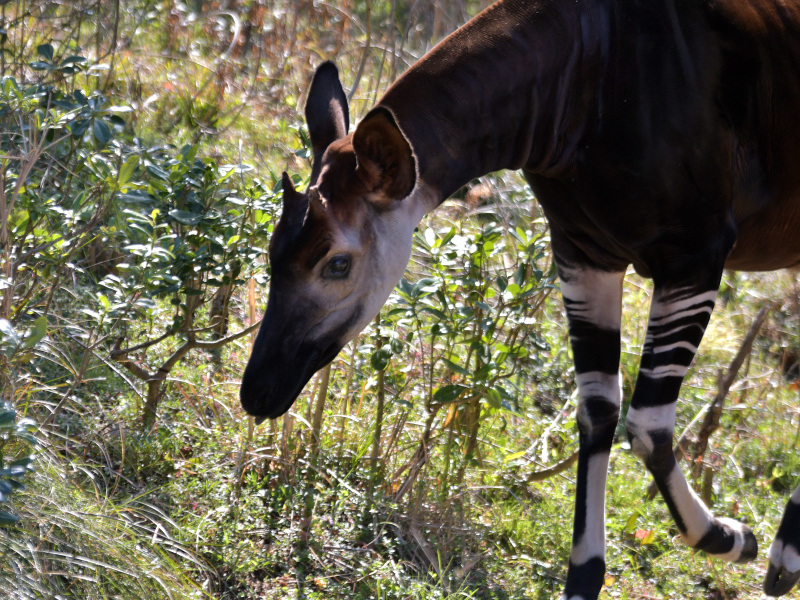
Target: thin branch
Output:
[
  {"x": 365, "y": 55},
  {"x": 135, "y": 369},
  {"x": 554, "y": 470},
  {"x": 117, "y": 352},
  {"x": 211, "y": 345},
  {"x": 711, "y": 420}
]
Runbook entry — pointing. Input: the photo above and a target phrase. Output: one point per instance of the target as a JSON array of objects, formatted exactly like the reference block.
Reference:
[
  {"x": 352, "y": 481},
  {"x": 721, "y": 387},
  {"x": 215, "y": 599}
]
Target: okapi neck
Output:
[{"x": 503, "y": 93}]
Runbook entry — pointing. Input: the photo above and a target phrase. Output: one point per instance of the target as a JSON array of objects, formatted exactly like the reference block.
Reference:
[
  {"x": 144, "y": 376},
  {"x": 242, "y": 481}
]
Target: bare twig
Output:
[
  {"x": 365, "y": 55},
  {"x": 554, "y": 470},
  {"x": 711, "y": 420}
]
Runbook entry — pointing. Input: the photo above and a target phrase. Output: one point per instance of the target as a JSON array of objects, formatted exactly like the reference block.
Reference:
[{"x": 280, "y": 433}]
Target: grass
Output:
[{"x": 73, "y": 540}]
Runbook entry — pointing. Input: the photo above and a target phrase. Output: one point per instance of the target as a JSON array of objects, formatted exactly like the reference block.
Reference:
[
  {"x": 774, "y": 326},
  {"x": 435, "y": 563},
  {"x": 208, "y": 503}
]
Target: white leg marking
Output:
[
  {"x": 665, "y": 371},
  {"x": 739, "y": 531},
  {"x": 666, "y": 347},
  {"x": 597, "y": 383},
  {"x": 641, "y": 421},
  {"x": 679, "y": 314},
  {"x": 785, "y": 556},
  {"x": 696, "y": 517},
  {"x": 601, "y": 291},
  {"x": 674, "y": 330},
  {"x": 661, "y": 309},
  {"x": 593, "y": 541}
]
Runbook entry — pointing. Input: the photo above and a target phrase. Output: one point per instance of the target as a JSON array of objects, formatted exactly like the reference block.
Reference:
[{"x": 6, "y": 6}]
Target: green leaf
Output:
[
  {"x": 493, "y": 398},
  {"x": 45, "y": 50},
  {"x": 36, "y": 333},
  {"x": 185, "y": 217},
  {"x": 127, "y": 169},
  {"x": 449, "y": 393},
  {"x": 101, "y": 132},
  {"x": 73, "y": 59},
  {"x": 7, "y": 518},
  {"x": 396, "y": 345},
  {"x": 189, "y": 152},
  {"x": 158, "y": 172},
  {"x": 136, "y": 196},
  {"x": 10, "y": 86},
  {"x": 79, "y": 127},
  {"x": 455, "y": 368},
  {"x": 21, "y": 462},
  {"x": 630, "y": 525},
  {"x": 380, "y": 359},
  {"x": 435, "y": 312},
  {"x": 448, "y": 236},
  {"x": 7, "y": 418},
  {"x": 485, "y": 371},
  {"x": 13, "y": 471},
  {"x": 514, "y": 456}
]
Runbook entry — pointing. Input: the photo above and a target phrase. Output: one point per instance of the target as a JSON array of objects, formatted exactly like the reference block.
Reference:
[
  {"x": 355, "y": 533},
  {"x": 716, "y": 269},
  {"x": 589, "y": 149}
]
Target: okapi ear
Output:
[
  {"x": 385, "y": 160},
  {"x": 293, "y": 201},
  {"x": 290, "y": 195},
  {"x": 316, "y": 205},
  {"x": 327, "y": 113}
]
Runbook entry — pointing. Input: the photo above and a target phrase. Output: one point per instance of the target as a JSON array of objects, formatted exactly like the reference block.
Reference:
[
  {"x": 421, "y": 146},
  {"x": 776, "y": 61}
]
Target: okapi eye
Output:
[{"x": 337, "y": 268}]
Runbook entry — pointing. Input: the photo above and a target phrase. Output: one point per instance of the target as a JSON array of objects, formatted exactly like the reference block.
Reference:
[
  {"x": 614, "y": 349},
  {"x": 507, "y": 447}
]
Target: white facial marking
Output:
[{"x": 389, "y": 257}]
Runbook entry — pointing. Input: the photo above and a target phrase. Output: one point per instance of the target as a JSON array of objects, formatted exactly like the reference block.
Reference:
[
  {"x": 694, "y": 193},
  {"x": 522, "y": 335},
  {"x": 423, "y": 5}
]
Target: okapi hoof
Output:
[
  {"x": 783, "y": 571},
  {"x": 730, "y": 540},
  {"x": 585, "y": 580}
]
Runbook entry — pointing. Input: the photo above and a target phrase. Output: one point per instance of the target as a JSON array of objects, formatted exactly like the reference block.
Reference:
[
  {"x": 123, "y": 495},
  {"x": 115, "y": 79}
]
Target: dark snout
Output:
[{"x": 283, "y": 360}]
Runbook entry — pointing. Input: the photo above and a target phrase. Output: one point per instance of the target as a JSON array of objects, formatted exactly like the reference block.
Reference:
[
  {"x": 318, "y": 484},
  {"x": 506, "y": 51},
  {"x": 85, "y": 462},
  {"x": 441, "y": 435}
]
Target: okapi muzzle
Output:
[{"x": 286, "y": 355}]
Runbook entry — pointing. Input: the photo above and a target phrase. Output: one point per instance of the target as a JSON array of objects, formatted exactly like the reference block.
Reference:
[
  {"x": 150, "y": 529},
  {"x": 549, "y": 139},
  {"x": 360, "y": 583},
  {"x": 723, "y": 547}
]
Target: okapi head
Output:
[{"x": 338, "y": 249}]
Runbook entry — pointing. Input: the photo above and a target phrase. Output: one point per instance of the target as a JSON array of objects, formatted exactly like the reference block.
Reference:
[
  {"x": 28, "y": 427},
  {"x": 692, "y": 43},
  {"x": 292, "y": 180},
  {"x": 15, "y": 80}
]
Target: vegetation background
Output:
[{"x": 141, "y": 147}]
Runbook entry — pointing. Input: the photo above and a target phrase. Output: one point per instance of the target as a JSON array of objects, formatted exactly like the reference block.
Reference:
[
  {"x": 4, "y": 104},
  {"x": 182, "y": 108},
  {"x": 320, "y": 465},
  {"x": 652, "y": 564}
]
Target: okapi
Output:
[{"x": 663, "y": 134}]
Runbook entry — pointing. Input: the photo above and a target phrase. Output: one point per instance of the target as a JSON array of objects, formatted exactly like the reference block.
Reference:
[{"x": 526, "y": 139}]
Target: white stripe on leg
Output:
[{"x": 592, "y": 543}]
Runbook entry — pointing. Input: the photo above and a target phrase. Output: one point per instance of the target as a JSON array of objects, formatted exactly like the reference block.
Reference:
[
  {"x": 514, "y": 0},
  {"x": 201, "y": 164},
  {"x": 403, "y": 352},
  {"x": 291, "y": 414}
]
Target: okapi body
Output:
[{"x": 662, "y": 134}]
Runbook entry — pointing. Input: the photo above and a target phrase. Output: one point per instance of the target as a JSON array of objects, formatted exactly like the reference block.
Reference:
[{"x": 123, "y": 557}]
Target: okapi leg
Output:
[
  {"x": 784, "y": 554},
  {"x": 678, "y": 318},
  {"x": 593, "y": 301}
]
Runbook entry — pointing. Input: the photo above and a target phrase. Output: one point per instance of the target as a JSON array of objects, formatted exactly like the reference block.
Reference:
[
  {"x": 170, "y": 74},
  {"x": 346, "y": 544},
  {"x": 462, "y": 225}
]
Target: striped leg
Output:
[
  {"x": 678, "y": 318},
  {"x": 784, "y": 554},
  {"x": 593, "y": 301}
]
